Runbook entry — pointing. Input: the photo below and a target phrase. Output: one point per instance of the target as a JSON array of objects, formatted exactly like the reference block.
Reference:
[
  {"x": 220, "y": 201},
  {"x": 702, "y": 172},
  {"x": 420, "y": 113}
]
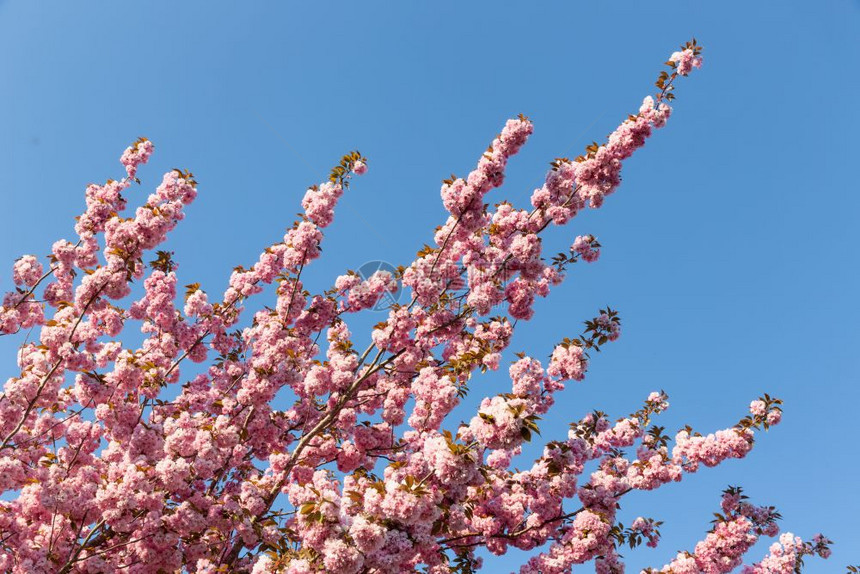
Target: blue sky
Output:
[{"x": 730, "y": 249}]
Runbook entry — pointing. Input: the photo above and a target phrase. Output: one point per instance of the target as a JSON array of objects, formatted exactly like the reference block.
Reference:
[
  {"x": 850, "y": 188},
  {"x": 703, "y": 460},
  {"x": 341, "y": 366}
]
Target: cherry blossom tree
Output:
[{"x": 112, "y": 461}]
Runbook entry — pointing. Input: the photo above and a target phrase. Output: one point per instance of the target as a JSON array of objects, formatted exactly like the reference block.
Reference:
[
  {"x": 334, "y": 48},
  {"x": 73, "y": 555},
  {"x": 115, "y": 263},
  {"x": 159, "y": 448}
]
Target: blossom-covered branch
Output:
[{"x": 119, "y": 456}]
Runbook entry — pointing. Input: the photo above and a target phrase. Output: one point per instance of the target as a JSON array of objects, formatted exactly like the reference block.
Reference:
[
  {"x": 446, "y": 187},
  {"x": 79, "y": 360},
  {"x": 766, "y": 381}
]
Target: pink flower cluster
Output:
[
  {"x": 135, "y": 155},
  {"x": 319, "y": 203},
  {"x": 586, "y": 537},
  {"x": 362, "y": 295},
  {"x": 499, "y": 423},
  {"x": 786, "y": 556},
  {"x": 686, "y": 60},
  {"x": 435, "y": 397},
  {"x": 586, "y": 246},
  {"x": 646, "y": 528},
  {"x": 568, "y": 363},
  {"x": 723, "y": 549},
  {"x": 27, "y": 271},
  {"x": 359, "y": 167},
  {"x": 19, "y": 311}
]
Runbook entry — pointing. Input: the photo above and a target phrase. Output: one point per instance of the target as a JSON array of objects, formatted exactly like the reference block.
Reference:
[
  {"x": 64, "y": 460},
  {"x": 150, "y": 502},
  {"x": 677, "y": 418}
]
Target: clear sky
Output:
[{"x": 730, "y": 249}]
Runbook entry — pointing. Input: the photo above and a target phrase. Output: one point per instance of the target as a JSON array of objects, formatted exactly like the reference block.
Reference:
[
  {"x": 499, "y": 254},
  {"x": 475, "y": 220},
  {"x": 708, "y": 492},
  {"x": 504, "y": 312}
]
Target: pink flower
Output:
[
  {"x": 774, "y": 417},
  {"x": 27, "y": 271},
  {"x": 586, "y": 246},
  {"x": 135, "y": 155},
  {"x": 686, "y": 61},
  {"x": 758, "y": 407},
  {"x": 567, "y": 363}
]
